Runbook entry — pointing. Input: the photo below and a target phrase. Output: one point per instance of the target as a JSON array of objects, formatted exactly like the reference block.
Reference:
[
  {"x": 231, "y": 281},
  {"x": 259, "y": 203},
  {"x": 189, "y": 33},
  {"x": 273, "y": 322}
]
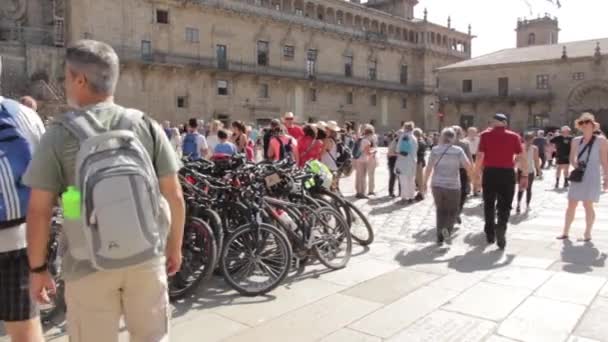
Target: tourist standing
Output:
[
  {"x": 444, "y": 162},
  {"x": 407, "y": 161},
  {"x": 194, "y": 144},
  {"x": 20, "y": 136},
  {"x": 589, "y": 156},
  {"x": 330, "y": 148},
  {"x": 533, "y": 169},
  {"x": 176, "y": 141},
  {"x": 212, "y": 138},
  {"x": 269, "y": 132},
  {"x": 309, "y": 147},
  {"x": 562, "y": 144},
  {"x": 498, "y": 147},
  {"x": 292, "y": 129},
  {"x": 239, "y": 136},
  {"x": 122, "y": 285},
  {"x": 392, "y": 160},
  {"x": 365, "y": 163},
  {"x": 224, "y": 147},
  {"x": 282, "y": 146}
]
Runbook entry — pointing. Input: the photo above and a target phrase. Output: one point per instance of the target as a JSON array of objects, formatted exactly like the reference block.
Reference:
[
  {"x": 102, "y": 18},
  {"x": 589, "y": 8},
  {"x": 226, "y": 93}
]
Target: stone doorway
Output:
[{"x": 591, "y": 96}]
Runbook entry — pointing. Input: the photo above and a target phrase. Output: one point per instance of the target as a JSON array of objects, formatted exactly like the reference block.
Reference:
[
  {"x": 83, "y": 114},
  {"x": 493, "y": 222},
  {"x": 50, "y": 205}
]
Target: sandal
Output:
[{"x": 562, "y": 237}]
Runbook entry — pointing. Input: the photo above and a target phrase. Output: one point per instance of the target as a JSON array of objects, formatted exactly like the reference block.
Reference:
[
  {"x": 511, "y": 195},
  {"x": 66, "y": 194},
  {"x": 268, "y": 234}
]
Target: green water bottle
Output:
[{"x": 70, "y": 203}]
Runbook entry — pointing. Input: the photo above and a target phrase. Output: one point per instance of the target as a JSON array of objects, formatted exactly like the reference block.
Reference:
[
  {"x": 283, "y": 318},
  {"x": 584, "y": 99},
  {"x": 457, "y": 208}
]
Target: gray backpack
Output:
[{"x": 125, "y": 218}]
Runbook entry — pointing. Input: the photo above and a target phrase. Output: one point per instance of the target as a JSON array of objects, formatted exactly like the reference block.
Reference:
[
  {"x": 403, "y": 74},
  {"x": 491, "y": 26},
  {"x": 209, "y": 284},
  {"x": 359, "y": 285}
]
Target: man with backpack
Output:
[
  {"x": 20, "y": 132},
  {"x": 194, "y": 144},
  {"x": 116, "y": 173}
]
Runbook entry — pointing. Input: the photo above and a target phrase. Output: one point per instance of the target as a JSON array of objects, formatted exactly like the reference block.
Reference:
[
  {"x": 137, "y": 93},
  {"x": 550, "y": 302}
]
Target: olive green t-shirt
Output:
[{"x": 53, "y": 165}]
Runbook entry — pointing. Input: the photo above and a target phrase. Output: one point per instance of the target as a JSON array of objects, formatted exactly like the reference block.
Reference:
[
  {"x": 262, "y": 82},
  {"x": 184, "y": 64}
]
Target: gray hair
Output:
[
  {"x": 458, "y": 131},
  {"x": 417, "y": 132},
  {"x": 98, "y": 62},
  {"x": 448, "y": 135}
]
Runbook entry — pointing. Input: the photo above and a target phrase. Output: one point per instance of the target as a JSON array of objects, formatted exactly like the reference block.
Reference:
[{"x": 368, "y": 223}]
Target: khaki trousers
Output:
[
  {"x": 95, "y": 304},
  {"x": 365, "y": 172}
]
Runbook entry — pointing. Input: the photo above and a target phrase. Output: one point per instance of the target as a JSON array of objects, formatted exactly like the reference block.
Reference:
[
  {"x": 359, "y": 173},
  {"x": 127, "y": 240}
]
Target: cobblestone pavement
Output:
[{"x": 405, "y": 288}]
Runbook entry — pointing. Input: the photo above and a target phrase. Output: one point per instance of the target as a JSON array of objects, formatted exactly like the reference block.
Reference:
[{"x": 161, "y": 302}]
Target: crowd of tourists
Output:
[{"x": 131, "y": 153}]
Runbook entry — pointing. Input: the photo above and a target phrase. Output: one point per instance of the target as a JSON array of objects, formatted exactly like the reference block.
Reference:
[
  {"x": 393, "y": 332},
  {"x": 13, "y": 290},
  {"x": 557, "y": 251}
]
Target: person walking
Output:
[
  {"x": 473, "y": 140},
  {"x": 540, "y": 141},
  {"x": 498, "y": 147},
  {"x": 533, "y": 169},
  {"x": 549, "y": 150},
  {"x": 19, "y": 137},
  {"x": 562, "y": 144},
  {"x": 589, "y": 156},
  {"x": 194, "y": 144},
  {"x": 465, "y": 181},
  {"x": 444, "y": 162},
  {"x": 126, "y": 276},
  {"x": 392, "y": 160},
  {"x": 365, "y": 163},
  {"x": 421, "y": 157},
  {"x": 407, "y": 161}
]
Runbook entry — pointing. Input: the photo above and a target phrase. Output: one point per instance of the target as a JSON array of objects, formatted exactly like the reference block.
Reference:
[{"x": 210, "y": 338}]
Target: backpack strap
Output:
[{"x": 82, "y": 125}]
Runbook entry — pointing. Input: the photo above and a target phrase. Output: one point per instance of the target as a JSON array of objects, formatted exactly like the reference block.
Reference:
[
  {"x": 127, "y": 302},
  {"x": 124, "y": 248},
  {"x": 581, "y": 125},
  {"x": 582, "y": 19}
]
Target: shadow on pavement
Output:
[
  {"x": 212, "y": 294},
  {"x": 476, "y": 259},
  {"x": 477, "y": 210},
  {"x": 581, "y": 258}
]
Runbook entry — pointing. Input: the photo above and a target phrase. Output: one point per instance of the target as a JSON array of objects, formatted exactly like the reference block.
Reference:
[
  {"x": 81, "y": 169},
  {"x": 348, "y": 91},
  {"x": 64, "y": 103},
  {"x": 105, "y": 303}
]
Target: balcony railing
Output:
[
  {"x": 487, "y": 96},
  {"x": 131, "y": 55}
]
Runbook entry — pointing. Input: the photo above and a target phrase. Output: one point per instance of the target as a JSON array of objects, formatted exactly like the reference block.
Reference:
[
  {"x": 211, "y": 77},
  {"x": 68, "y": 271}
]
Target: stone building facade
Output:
[
  {"x": 537, "y": 86},
  {"x": 252, "y": 59}
]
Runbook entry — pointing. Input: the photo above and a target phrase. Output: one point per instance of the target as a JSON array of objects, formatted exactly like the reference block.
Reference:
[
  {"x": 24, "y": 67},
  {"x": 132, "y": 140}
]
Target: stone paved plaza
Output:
[{"x": 405, "y": 288}]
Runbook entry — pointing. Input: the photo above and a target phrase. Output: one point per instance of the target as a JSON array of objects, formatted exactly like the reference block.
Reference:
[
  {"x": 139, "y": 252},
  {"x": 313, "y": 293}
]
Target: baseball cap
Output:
[{"x": 500, "y": 117}]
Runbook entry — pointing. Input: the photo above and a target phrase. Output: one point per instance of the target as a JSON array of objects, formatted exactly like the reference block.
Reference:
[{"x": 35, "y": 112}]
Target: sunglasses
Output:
[
  {"x": 584, "y": 122},
  {"x": 288, "y": 119}
]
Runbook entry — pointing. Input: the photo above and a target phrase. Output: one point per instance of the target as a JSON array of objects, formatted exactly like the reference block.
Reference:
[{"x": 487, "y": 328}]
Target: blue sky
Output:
[{"x": 494, "y": 21}]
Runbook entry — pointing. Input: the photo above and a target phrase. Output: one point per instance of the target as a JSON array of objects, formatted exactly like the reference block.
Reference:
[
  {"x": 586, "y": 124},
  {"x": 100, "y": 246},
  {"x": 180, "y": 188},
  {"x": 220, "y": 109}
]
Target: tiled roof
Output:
[{"x": 582, "y": 48}]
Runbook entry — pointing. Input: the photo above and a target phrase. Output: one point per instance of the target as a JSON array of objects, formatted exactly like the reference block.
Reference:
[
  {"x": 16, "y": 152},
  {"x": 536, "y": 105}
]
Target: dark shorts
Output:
[
  {"x": 15, "y": 301},
  {"x": 563, "y": 160}
]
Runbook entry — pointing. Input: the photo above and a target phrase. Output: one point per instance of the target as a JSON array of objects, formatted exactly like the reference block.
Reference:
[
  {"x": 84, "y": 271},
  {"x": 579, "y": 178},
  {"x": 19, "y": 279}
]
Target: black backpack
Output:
[{"x": 284, "y": 149}]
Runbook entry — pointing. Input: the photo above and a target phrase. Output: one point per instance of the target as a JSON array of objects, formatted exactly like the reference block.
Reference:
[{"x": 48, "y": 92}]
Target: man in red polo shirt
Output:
[
  {"x": 292, "y": 129},
  {"x": 499, "y": 149}
]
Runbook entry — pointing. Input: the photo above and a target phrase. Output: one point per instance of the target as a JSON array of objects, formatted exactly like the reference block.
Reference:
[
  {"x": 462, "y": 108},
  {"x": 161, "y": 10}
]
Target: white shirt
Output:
[
  {"x": 29, "y": 122},
  {"x": 212, "y": 141},
  {"x": 473, "y": 144}
]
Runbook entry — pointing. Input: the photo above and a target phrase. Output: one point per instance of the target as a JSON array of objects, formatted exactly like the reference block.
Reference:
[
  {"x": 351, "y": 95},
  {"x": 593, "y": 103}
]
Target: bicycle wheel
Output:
[
  {"x": 337, "y": 202},
  {"x": 215, "y": 222},
  {"x": 360, "y": 228},
  {"x": 199, "y": 254},
  {"x": 331, "y": 240},
  {"x": 255, "y": 260}
]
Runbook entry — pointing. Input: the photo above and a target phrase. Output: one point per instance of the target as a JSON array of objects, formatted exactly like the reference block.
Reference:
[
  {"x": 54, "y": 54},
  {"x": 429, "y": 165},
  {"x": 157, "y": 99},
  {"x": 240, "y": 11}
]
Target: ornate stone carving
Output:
[{"x": 14, "y": 10}]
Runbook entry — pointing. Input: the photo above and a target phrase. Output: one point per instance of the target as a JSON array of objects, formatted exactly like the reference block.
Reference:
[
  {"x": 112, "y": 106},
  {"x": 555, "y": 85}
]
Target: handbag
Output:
[{"x": 578, "y": 173}]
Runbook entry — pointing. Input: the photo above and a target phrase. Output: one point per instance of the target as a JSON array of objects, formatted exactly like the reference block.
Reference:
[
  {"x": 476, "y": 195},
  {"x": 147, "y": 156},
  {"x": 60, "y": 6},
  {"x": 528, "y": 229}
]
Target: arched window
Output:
[{"x": 531, "y": 39}]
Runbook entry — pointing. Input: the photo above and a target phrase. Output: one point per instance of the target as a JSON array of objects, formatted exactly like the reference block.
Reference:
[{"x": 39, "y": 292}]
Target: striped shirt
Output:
[{"x": 32, "y": 128}]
